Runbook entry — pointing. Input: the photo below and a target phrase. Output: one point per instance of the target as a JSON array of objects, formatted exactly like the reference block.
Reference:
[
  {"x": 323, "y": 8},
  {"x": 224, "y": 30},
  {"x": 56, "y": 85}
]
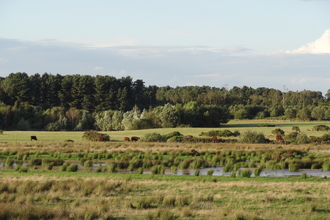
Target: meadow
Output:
[{"x": 40, "y": 177}]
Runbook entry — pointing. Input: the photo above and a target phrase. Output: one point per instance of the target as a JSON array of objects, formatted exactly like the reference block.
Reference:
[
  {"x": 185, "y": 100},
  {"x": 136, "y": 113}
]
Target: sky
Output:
[{"x": 280, "y": 44}]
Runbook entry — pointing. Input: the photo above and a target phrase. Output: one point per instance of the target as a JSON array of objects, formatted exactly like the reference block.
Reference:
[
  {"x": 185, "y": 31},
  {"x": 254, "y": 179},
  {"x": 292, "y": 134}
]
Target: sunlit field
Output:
[
  {"x": 233, "y": 125},
  {"x": 52, "y": 178}
]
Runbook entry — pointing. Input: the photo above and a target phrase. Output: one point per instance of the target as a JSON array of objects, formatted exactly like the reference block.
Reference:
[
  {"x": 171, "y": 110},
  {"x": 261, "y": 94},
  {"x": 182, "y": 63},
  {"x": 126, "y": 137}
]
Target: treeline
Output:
[{"x": 82, "y": 102}]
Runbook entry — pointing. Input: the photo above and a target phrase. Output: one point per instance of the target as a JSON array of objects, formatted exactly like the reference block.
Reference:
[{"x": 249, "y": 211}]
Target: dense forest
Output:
[{"x": 83, "y": 102}]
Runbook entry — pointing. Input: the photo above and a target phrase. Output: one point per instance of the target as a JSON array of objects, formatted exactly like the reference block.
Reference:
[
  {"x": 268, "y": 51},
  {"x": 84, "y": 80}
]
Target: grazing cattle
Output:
[
  {"x": 127, "y": 139},
  {"x": 33, "y": 138},
  {"x": 101, "y": 139},
  {"x": 135, "y": 138},
  {"x": 189, "y": 136},
  {"x": 194, "y": 152},
  {"x": 214, "y": 139}
]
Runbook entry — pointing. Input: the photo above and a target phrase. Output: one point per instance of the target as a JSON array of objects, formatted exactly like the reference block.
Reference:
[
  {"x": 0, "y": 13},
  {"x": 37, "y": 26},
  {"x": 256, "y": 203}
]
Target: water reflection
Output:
[{"x": 217, "y": 171}]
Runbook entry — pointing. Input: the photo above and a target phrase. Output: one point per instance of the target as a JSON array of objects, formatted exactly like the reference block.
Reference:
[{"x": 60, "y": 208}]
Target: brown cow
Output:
[
  {"x": 33, "y": 138},
  {"x": 127, "y": 139},
  {"x": 135, "y": 138},
  {"x": 214, "y": 139},
  {"x": 101, "y": 139}
]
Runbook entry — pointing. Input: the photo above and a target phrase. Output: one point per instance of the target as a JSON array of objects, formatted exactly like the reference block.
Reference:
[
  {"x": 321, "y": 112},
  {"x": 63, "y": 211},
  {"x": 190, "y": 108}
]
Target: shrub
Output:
[
  {"x": 257, "y": 171},
  {"x": 278, "y": 131},
  {"x": 326, "y": 137},
  {"x": 153, "y": 137},
  {"x": 94, "y": 135},
  {"x": 175, "y": 139},
  {"x": 321, "y": 128},
  {"x": 295, "y": 128},
  {"x": 252, "y": 137},
  {"x": 219, "y": 133},
  {"x": 173, "y": 134},
  {"x": 302, "y": 139},
  {"x": 291, "y": 136}
]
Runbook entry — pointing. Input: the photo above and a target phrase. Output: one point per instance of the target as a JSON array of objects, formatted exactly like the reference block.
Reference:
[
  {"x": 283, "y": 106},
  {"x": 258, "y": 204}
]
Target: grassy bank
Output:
[{"x": 119, "y": 196}]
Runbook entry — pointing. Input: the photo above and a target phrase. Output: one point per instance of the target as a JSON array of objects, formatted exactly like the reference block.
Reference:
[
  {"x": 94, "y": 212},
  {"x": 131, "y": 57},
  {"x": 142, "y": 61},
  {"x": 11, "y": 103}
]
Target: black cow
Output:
[
  {"x": 33, "y": 138},
  {"x": 135, "y": 138}
]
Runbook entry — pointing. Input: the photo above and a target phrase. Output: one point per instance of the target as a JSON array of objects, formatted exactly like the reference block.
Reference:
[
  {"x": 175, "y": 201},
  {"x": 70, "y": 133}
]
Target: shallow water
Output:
[{"x": 218, "y": 171}]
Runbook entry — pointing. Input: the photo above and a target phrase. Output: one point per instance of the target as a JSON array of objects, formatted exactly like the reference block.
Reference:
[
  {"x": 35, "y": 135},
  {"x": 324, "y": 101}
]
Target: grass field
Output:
[
  {"x": 43, "y": 193},
  {"x": 233, "y": 125}
]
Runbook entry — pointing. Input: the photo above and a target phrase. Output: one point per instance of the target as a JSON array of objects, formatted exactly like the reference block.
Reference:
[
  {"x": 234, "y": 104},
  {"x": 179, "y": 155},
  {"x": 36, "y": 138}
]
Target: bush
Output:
[
  {"x": 153, "y": 137},
  {"x": 219, "y": 133},
  {"x": 326, "y": 137},
  {"x": 175, "y": 139},
  {"x": 278, "y": 131},
  {"x": 94, "y": 135},
  {"x": 295, "y": 128},
  {"x": 321, "y": 128},
  {"x": 302, "y": 139},
  {"x": 252, "y": 137},
  {"x": 173, "y": 134}
]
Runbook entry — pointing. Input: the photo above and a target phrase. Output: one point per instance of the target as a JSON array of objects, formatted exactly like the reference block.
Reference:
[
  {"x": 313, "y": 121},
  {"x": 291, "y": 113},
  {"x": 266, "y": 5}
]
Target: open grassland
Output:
[
  {"x": 239, "y": 125},
  {"x": 43, "y": 189},
  {"x": 118, "y": 196}
]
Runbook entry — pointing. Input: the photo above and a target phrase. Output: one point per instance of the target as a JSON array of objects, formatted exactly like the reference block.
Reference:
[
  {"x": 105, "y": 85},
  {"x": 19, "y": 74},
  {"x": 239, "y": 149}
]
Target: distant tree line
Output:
[{"x": 83, "y": 102}]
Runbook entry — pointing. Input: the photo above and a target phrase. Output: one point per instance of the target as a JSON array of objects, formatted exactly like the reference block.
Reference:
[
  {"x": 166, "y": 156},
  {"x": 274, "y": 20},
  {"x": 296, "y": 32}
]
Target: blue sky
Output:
[{"x": 257, "y": 43}]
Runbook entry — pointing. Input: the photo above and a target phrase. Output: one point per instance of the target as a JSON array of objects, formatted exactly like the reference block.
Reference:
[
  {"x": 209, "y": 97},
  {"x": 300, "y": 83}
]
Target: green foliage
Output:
[
  {"x": 326, "y": 136},
  {"x": 175, "y": 139},
  {"x": 94, "y": 135},
  {"x": 295, "y": 128},
  {"x": 278, "y": 131},
  {"x": 246, "y": 173},
  {"x": 252, "y": 137},
  {"x": 219, "y": 133},
  {"x": 173, "y": 134},
  {"x": 302, "y": 139},
  {"x": 153, "y": 137},
  {"x": 321, "y": 128}
]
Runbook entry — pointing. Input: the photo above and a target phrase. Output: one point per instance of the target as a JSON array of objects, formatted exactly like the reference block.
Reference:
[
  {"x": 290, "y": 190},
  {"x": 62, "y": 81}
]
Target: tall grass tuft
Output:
[
  {"x": 210, "y": 172},
  {"x": 293, "y": 167},
  {"x": 196, "y": 173},
  {"x": 158, "y": 169},
  {"x": 246, "y": 173},
  {"x": 258, "y": 171}
]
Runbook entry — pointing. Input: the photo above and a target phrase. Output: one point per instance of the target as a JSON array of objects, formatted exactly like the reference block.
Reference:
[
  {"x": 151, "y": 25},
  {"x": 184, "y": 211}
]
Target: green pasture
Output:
[{"x": 240, "y": 125}]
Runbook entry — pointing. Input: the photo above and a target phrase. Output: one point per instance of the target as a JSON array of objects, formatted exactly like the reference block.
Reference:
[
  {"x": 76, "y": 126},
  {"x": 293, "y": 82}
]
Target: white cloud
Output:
[
  {"x": 98, "y": 68},
  {"x": 321, "y": 45}
]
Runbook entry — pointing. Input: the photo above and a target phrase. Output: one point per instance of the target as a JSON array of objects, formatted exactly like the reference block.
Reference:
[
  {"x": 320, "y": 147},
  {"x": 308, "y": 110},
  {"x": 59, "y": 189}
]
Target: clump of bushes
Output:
[
  {"x": 321, "y": 128},
  {"x": 220, "y": 133},
  {"x": 278, "y": 131},
  {"x": 173, "y": 134},
  {"x": 94, "y": 135},
  {"x": 153, "y": 137},
  {"x": 252, "y": 137}
]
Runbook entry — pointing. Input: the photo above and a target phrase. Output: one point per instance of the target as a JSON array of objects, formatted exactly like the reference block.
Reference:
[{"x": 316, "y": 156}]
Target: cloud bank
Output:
[
  {"x": 173, "y": 66},
  {"x": 320, "y": 46}
]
